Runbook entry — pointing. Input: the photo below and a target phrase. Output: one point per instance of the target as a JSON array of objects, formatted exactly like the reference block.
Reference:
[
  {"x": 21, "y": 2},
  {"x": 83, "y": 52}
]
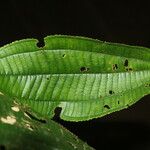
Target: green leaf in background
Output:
[
  {"x": 19, "y": 130},
  {"x": 86, "y": 78}
]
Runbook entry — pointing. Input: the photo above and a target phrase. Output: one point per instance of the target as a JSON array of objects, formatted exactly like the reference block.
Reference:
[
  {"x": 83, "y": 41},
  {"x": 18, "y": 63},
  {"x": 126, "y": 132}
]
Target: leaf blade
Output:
[{"x": 85, "y": 77}]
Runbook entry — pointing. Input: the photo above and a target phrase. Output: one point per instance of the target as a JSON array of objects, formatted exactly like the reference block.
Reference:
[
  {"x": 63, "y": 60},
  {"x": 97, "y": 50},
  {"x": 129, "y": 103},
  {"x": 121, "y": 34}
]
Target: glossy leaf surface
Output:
[{"x": 86, "y": 78}]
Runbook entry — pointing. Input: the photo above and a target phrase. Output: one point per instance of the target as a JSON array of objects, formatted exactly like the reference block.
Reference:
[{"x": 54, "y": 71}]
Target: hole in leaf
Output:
[
  {"x": 84, "y": 69},
  {"x": 111, "y": 92},
  {"x": 128, "y": 69},
  {"x": 57, "y": 112},
  {"x": 41, "y": 43},
  {"x": 147, "y": 85},
  {"x": 35, "y": 118},
  {"x": 115, "y": 67},
  {"x": 64, "y": 55},
  {"x": 2, "y": 147},
  {"x": 118, "y": 102},
  {"x": 126, "y": 63},
  {"x": 47, "y": 78},
  {"x": 106, "y": 106}
]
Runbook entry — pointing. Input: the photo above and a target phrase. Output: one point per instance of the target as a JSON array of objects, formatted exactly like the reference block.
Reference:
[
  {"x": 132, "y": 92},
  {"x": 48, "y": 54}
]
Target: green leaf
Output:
[
  {"x": 86, "y": 78},
  {"x": 20, "y": 130}
]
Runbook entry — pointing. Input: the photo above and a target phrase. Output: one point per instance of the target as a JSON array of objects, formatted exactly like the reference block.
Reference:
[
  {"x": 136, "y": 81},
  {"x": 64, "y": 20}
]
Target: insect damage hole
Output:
[
  {"x": 111, "y": 92},
  {"x": 106, "y": 107},
  {"x": 147, "y": 85},
  {"x": 57, "y": 113},
  {"x": 64, "y": 55},
  {"x": 129, "y": 69},
  {"x": 84, "y": 69},
  {"x": 126, "y": 63},
  {"x": 40, "y": 43},
  {"x": 114, "y": 67}
]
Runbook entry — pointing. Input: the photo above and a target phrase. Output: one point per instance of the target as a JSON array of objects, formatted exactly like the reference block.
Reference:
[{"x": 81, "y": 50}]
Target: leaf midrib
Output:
[{"x": 58, "y": 74}]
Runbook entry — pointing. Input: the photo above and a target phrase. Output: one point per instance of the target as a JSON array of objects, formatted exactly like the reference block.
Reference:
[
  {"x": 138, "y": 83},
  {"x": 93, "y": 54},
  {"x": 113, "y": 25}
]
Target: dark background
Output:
[{"x": 113, "y": 21}]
